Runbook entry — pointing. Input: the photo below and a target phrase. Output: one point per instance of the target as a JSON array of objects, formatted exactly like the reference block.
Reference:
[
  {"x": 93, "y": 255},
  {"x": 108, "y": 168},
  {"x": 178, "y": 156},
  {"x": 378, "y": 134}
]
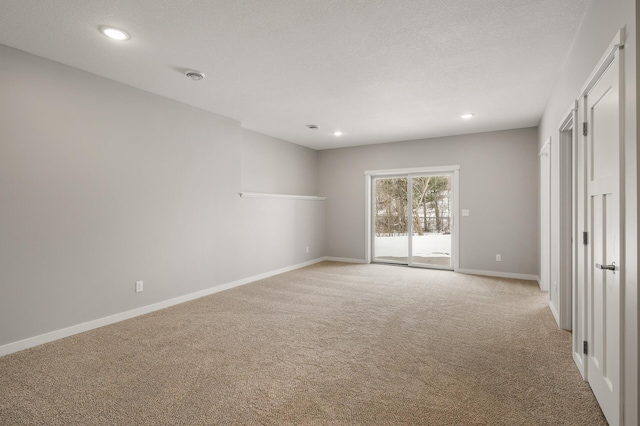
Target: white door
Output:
[{"x": 604, "y": 307}]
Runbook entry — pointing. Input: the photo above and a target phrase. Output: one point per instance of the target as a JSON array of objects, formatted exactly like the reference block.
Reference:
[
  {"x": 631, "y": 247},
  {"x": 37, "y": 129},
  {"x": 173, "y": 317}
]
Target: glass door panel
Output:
[
  {"x": 431, "y": 221},
  {"x": 390, "y": 208}
]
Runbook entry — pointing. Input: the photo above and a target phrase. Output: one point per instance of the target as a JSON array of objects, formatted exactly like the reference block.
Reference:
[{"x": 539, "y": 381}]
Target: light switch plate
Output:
[{"x": 465, "y": 212}]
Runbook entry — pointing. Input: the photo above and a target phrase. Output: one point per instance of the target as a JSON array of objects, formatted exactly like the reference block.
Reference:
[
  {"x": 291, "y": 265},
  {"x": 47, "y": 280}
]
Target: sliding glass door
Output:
[{"x": 412, "y": 219}]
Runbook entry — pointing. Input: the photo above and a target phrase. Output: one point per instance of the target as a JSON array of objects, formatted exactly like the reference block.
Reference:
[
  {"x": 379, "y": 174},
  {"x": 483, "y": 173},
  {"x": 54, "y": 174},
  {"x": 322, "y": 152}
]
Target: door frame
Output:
[
  {"x": 545, "y": 215},
  {"x": 565, "y": 241},
  {"x": 453, "y": 170},
  {"x": 371, "y": 231}
]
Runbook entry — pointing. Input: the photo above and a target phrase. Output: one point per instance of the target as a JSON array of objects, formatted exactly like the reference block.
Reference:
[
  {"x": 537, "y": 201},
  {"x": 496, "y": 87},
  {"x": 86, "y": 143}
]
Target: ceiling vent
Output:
[{"x": 194, "y": 75}]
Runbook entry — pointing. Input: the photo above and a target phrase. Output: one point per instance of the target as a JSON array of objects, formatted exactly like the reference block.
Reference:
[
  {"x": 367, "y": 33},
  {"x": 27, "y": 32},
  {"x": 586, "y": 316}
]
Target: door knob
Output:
[{"x": 611, "y": 267}]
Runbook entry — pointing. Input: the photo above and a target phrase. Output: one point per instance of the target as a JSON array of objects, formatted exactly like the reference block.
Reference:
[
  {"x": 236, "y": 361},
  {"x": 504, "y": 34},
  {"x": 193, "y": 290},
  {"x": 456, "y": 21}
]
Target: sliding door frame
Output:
[
  {"x": 371, "y": 231},
  {"x": 453, "y": 171}
]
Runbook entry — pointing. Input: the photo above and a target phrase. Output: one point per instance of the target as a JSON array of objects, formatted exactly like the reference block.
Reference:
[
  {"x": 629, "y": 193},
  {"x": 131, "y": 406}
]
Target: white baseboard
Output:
[
  {"x": 555, "y": 313},
  {"x": 343, "y": 259},
  {"x": 30, "y": 342},
  {"x": 499, "y": 274}
]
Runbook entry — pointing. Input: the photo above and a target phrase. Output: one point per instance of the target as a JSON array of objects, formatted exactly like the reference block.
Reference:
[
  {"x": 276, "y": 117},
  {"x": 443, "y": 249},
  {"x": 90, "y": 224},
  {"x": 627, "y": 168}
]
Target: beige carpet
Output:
[{"x": 332, "y": 344}]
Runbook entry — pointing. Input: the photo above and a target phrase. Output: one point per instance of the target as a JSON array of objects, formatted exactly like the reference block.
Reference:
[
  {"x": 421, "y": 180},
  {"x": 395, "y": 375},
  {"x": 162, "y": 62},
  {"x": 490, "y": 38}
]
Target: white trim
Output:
[
  {"x": 368, "y": 232},
  {"x": 554, "y": 311},
  {"x": 544, "y": 151},
  {"x": 499, "y": 274},
  {"x": 111, "y": 319},
  {"x": 616, "y": 44},
  {"x": 567, "y": 139},
  {"x": 570, "y": 117},
  {"x": 343, "y": 259},
  {"x": 415, "y": 170},
  {"x": 281, "y": 196},
  {"x": 578, "y": 280},
  {"x": 545, "y": 216},
  {"x": 456, "y": 220},
  {"x": 409, "y": 219}
]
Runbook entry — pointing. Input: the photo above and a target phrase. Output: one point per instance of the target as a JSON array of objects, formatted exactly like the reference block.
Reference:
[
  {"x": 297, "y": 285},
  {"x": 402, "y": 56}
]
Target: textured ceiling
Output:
[{"x": 379, "y": 70}]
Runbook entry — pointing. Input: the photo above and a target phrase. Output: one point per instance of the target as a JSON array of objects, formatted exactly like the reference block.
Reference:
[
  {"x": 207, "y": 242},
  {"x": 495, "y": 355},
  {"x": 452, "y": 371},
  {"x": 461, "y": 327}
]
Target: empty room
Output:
[{"x": 299, "y": 212}]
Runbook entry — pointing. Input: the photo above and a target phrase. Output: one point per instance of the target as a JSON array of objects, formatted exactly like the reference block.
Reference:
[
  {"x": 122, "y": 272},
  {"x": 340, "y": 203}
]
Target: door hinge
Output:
[
  {"x": 585, "y": 128},
  {"x": 585, "y": 348},
  {"x": 585, "y": 238}
]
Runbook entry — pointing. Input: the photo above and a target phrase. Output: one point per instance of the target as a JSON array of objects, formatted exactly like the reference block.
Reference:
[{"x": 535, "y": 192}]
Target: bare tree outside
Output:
[
  {"x": 430, "y": 207},
  {"x": 391, "y": 207}
]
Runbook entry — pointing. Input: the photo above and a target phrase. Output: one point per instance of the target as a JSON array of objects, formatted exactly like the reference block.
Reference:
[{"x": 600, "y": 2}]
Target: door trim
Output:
[
  {"x": 410, "y": 171},
  {"x": 370, "y": 232},
  {"x": 567, "y": 238},
  {"x": 545, "y": 216},
  {"x": 616, "y": 44}
]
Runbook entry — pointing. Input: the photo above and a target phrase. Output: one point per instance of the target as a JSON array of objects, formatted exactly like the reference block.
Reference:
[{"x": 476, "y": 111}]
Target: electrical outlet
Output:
[
  {"x": 139, "y": 286},
  {"x": 498, "y": 258},
  {"x": 307, "y": 249}
]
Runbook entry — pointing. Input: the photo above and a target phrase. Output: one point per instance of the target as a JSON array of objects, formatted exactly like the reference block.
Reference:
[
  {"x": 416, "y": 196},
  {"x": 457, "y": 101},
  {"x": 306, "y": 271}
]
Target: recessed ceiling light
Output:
[
  {"x": 467, "y": 116},
  {"x": 194, "y": 75},
  {"x": 114, "y": 33},
  {"x": 337, "y": 133}
]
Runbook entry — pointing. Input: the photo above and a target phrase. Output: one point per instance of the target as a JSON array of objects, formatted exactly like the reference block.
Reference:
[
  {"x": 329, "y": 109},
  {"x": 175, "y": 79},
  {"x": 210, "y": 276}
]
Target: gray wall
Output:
[
  {"x": 603, "y": 20},
  {"x": 274, "y": 166},
  {"x": 102, "y": 185},
  {"x": 498, "y": 184}
]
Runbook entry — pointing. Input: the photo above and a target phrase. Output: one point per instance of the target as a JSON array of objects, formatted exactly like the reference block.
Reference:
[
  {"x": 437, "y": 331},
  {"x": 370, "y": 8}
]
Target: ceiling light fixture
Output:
[
  {"x": 467, "y": 116},
  {"x": 194, "y": 75},
  {"x": 337, "y": 133},
  {"x": 114, "y": 33}
]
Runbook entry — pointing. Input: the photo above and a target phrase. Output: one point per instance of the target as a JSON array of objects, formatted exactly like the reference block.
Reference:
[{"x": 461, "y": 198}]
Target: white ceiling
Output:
[{"x": 379, "y": 70}]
